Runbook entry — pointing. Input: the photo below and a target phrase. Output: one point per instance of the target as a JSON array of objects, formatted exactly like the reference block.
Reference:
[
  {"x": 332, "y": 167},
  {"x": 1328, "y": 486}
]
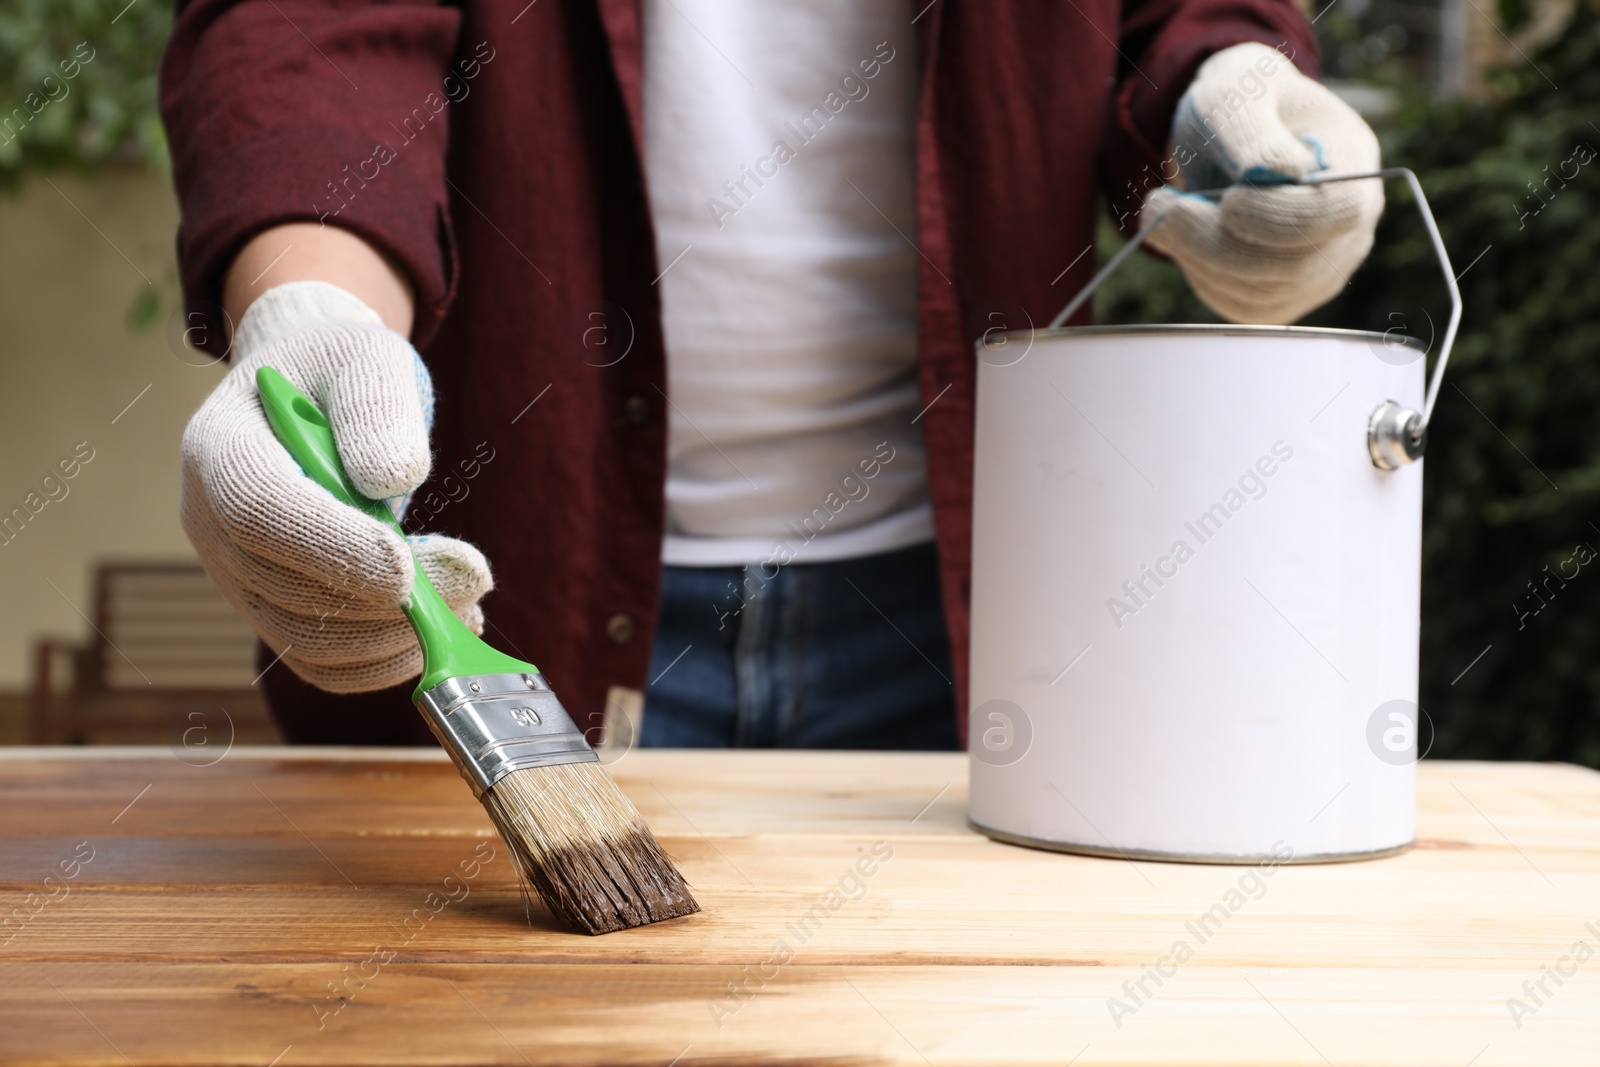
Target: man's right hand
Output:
[{"x": 319, "y": 581}]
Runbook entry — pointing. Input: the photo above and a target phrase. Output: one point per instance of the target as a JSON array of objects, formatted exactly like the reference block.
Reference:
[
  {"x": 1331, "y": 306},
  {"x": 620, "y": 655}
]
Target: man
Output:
[{"x": 694, "y": 284}]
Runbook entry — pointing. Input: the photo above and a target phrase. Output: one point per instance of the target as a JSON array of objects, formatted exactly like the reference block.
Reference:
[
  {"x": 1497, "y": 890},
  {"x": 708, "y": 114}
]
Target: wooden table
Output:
[{"x": 333, "y": 906}]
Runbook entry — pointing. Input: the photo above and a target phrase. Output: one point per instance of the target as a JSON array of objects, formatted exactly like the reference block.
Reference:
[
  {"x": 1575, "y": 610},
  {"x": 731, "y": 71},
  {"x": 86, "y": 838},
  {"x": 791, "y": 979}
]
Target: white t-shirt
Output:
[{"x": 780, "y": 160}]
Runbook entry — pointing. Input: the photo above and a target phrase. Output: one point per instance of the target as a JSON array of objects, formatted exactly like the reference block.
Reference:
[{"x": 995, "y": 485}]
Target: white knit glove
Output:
[
  {"x": 320, "y": 582},
  {"x": 1266, "y": 255}
]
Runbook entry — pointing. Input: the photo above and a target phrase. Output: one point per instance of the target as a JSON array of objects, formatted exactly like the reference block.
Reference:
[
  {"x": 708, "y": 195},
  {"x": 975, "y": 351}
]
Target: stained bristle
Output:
[{"x": 582, "y": 845}]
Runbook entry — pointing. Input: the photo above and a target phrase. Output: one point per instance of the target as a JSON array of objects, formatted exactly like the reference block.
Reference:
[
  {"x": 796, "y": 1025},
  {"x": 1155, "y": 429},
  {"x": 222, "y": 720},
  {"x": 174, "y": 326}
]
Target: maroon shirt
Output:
[{"x": 493, "y": 150}]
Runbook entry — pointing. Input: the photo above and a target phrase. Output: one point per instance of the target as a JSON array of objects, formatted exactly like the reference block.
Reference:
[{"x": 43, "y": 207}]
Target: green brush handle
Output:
[{"x": 449, "y": 649}]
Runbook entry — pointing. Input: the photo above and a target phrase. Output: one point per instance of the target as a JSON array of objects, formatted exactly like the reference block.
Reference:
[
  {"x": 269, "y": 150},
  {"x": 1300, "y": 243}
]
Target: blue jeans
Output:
[{"x": 845, "y": 654}]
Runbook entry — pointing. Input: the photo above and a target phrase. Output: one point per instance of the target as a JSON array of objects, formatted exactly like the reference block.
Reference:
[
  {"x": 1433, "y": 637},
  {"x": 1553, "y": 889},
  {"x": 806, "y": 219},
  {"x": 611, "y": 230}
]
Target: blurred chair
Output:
[{"x": 168, "y": 663}]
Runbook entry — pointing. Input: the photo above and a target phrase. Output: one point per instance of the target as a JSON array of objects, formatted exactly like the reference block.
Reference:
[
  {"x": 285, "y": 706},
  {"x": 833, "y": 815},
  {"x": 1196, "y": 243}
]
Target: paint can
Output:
[{"x": 1196, "y": 585}]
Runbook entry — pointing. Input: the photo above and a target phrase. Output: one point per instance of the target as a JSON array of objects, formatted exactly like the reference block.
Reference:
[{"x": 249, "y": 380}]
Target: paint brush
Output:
[{"x": 575, "y": 836}]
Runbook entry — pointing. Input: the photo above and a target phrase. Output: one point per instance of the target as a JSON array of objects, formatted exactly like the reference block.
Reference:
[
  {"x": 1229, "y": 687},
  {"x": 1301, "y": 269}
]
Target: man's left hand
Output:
[{"x": 1265, "y": 253}]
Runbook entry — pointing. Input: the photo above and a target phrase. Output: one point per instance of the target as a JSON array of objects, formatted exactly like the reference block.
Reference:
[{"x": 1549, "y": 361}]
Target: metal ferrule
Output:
[{"x": 493, "y": 724}]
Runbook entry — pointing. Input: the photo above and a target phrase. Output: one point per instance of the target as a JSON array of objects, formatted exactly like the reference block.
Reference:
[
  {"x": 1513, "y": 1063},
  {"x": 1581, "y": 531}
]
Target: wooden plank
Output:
[
  {"x": 1090, "y": 915},
  {"x": 467, "y": 1013},
  {"x": 220, "y": 901}
]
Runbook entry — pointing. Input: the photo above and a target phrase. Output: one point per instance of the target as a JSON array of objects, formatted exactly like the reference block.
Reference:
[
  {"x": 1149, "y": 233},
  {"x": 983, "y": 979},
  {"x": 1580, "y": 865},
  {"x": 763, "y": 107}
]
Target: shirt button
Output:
[
  {"x": 620, "y": 628},
  {"x": 636, "y": 410}
]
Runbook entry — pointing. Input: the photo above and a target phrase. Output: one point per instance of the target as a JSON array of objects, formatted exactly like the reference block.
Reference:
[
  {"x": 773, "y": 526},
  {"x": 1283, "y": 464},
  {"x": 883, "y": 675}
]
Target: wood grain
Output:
[{"x": 227, "y": 909}]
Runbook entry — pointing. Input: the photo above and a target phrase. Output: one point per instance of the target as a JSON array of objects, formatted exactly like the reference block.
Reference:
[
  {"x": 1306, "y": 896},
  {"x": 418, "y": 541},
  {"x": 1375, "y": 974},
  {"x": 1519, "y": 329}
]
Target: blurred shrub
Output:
[
  {"x": 1511, "y": 522},
  {"x": 106, "y": 111}
]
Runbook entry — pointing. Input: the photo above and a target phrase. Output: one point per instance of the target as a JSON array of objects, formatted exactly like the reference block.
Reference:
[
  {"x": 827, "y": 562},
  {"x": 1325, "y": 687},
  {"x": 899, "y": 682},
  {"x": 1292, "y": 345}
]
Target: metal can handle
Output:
[{"x": 1396, "y": 435}]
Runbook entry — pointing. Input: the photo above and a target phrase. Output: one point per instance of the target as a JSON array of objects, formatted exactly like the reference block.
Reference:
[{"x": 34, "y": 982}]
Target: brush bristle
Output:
[{"x": 583, "y": 846}]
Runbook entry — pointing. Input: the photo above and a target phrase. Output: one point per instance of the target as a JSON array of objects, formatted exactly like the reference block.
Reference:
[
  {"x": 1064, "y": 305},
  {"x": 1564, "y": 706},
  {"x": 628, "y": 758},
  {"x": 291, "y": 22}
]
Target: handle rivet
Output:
[{"x": 474, "y": 687}]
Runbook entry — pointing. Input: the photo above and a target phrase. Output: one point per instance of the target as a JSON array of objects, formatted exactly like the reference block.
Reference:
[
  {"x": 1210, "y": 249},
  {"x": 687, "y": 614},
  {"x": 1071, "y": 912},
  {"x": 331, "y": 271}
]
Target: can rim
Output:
[{"x": 1218, "y": 328}]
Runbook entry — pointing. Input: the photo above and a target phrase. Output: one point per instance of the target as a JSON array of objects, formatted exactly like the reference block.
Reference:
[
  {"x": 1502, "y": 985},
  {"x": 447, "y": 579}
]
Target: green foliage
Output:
[
  {"x": 106, "y": 114},
  {"x": 1515, "y": 14},
  {"x": 1513, "y": 468}
]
